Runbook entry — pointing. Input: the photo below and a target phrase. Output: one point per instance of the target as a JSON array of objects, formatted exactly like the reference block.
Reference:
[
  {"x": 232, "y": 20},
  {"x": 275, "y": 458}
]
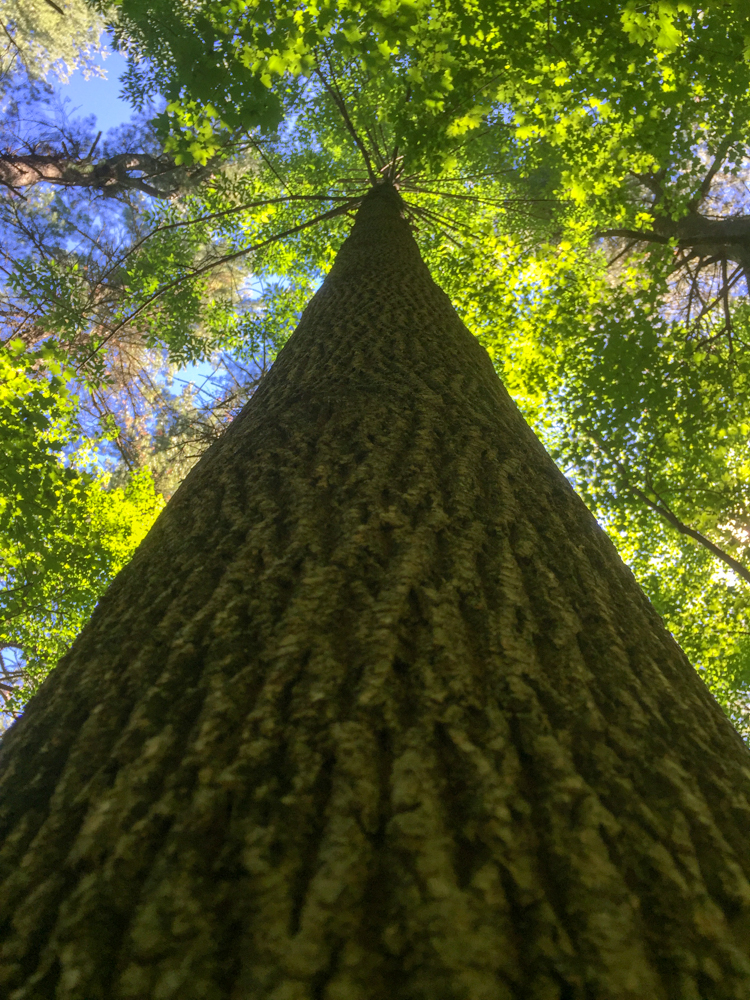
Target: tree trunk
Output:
[{"x": 375, "y": 713}]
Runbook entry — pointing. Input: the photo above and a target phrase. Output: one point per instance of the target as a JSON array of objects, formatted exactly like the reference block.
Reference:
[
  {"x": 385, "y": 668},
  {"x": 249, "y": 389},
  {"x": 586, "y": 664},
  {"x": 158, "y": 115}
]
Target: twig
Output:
[
  {"x": 270, "y": 165},
  {"x": 671, "y": 518},
  {"x": 340, "y": 210},
  {"x": 339, "y": 102}
]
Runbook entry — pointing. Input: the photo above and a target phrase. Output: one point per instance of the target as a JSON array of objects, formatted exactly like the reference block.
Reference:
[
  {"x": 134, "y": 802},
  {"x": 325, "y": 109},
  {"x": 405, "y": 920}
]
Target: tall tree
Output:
[
  {"x": 645, "y": 412},
  {"x": 376, "y": 711},
  {"x": 638, "y": 117}
]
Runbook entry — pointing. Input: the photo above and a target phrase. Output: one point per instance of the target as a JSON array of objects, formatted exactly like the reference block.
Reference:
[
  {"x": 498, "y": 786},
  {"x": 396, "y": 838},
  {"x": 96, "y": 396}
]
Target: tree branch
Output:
[
  {"x": 712, "y": 171},
  {"x": 671, "y": 518},
  {"x": 183, "y": 223},
  {"x": 197, "y": 272},
  {"x": 637, "y": 235},
  {"x": 341, "y": 105},
  {"x": 122, "y": 172}
]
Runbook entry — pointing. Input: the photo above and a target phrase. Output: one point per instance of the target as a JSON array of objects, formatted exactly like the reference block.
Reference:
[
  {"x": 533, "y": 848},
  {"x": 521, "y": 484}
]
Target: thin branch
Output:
[
  {"x": 712, "y": 171},
  {"x": 340, "y": 210},
  {"x": 378, "y": 151},
  {"x": 462, "y": 177},
  {"x": 393, "y": 172},
  {"x": 622, "y": 253},
  {"x": 725, "y": 299},
  {"x": 642, "y": 236},
  {"x": 443, "y": 219},
  {"x": 12, "y": 41},
  {"x": 723, "y": 293},
  {"x": 691, "y": 293},
  {"x": 654, "y": 183},
  {"x": 340, "y": 104},
  {"x": 482, "y": 201},
  {"x": 218, "y": 215},
  {"x": 455, "y": 108},
  {"x": 671, "y": 518},
  {"x": 13, "y": 190},
  {"x": 270, "y": 165},
  {"x": 430, "y": 219},
  {"x": 94, "y": 144},
  {"x": 694, "y": 285},
  {"x": 383, "y": 137}
]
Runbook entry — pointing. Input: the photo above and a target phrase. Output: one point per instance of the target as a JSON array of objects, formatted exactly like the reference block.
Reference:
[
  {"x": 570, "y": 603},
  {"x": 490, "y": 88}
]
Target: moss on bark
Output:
[{"x": 375, "y": 713}]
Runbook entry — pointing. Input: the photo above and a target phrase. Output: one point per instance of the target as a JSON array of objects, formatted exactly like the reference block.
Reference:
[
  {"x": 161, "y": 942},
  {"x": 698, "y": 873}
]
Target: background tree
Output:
[
  {"x": 63, "y": 533},
  {"x": 43, "y": 36}
]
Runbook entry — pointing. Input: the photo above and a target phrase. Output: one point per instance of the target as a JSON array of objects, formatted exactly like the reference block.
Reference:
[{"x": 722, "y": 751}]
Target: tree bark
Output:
[
  {"x": 706, "y": 238},
  {"x": 157, "y": 176},
  {"x": 375, "y": 713}
]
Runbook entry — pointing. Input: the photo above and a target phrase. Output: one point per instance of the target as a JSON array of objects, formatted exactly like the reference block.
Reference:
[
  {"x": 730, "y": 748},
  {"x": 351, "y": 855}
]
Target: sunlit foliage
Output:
[{"x": 63, "y": 533}]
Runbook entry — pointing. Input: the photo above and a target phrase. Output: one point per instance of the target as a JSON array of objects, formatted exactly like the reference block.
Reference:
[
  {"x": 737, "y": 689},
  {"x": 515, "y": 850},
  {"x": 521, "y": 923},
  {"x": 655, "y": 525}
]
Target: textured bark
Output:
[
  {"x": 158, "y": 176},
  {"x": 706, "y": 238},
  {"x": 375, "y": 713}
]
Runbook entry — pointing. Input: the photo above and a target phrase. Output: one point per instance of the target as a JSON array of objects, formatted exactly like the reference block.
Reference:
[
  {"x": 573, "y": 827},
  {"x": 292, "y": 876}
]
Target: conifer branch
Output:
[{"x": 197, "y": 272}]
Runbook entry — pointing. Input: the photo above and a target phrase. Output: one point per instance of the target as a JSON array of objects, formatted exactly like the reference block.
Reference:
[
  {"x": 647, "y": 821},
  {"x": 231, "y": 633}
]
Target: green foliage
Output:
[
  {"x": 42, "y": 37},
  {"x": 596, "y": 90},
  {"x": 707, "y": 610},
  {"x": 630, "y": 405},
  {"x": 63, "y": 534}
]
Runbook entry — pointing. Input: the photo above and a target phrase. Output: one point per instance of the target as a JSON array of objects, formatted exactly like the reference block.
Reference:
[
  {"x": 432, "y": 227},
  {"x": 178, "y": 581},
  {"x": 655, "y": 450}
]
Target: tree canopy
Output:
[{"x": 41, "y": 37}]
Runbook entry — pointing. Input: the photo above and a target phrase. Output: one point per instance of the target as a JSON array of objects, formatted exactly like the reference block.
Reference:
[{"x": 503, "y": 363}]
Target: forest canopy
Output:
[{"x": 575, "y": 175}]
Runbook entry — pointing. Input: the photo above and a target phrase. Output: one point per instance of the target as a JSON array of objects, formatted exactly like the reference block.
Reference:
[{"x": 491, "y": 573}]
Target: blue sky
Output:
[{"x": 99, "y": 97}]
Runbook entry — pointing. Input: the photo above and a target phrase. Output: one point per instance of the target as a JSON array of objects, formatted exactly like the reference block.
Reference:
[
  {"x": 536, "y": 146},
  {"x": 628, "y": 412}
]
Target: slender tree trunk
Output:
[{"x": 375, "y": 713}]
